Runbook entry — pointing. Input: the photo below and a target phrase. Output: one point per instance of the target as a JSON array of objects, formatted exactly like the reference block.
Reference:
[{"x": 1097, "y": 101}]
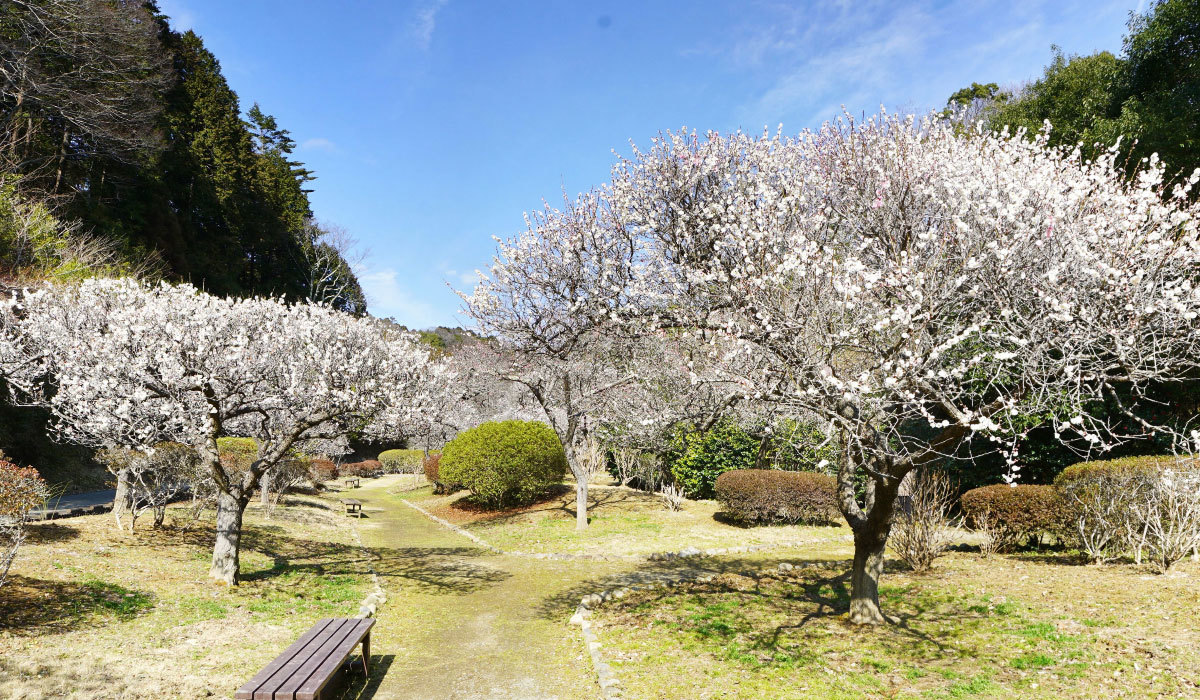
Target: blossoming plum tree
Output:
[
  {"x": 932, "y": 295},
  {"x": 133, "y": 365}
]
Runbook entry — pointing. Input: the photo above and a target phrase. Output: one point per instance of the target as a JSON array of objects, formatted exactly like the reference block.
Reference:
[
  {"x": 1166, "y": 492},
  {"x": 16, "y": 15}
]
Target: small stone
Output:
[{"x": 786, "y": 567}]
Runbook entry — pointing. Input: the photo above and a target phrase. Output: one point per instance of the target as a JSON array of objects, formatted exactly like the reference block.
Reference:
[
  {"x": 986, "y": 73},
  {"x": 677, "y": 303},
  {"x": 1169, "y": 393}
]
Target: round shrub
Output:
[
  {"x": 1012, "y": 514},
  {"x": 237, "y": 453},
  {"x": 322, "y": 470},
  {"x": 401, "y": 461},
  {"x": 21, "y": 490},
  {"x": 774, "y": 496},
  {"x": 504, "y": 464}
]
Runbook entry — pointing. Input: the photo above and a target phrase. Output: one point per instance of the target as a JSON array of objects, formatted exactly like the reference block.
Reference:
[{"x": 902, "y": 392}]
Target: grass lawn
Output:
[
  {"x": 91, "y": 612},
  {"x": 1021, "y": 626},
  {"x": 621, "y": 521}
]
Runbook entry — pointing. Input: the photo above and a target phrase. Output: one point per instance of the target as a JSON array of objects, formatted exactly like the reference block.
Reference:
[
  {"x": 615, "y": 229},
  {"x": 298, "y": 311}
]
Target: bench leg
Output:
[{"x": 367, "y": 655}]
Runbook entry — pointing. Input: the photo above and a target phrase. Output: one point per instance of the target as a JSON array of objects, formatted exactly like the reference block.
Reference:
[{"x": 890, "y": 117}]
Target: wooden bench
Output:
[
  {"x": 352, "y": 482},
  {"x": 353, "y": 505},
  {"x": 304, "y": 670}
]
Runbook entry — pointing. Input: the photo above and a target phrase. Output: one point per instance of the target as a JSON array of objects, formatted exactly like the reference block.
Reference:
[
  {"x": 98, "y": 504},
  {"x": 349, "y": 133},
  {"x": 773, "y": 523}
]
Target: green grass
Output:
[{"x": 99, "y": 597}]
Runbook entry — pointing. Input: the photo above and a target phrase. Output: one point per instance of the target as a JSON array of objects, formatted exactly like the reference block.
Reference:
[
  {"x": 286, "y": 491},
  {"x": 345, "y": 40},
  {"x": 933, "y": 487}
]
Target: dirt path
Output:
[{"x": 462, "y": 622}]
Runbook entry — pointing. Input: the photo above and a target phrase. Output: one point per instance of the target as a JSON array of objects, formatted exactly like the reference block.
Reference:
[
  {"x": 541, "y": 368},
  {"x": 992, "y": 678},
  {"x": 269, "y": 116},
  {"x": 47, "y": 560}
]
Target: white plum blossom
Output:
[
  {"x": 134, "y": 364},
  {"x": 928, "y": 293}
]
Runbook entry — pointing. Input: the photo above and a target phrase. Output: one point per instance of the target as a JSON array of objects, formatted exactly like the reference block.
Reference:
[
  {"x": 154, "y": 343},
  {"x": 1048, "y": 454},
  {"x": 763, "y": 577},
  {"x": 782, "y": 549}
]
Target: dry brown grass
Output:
[{"x": 97, "y": 613}]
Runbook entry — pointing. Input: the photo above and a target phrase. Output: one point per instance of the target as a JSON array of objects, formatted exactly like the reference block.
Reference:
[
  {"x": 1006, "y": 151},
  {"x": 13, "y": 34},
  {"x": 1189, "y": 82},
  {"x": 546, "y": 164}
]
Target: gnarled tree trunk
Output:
[
  {"x": 869, "y": 546},
  {"x": 230, "y": 508},
  {"x": 122, "y": 501}
]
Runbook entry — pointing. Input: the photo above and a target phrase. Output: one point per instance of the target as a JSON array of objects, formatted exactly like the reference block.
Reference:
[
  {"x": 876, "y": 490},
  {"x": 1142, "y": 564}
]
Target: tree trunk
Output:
[
  {"x": 581, "y": 495},
  {"x": 121, "y": 501},
  {"x": 264, "y": 487},
  {"x": 229, "y": 534},
  {"x": 869, "y": 546}
]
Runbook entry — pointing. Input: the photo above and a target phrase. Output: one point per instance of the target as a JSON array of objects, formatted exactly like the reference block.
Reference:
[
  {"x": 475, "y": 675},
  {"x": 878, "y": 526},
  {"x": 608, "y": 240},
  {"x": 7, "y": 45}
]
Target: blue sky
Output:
[{"x": 433, "y": 125}]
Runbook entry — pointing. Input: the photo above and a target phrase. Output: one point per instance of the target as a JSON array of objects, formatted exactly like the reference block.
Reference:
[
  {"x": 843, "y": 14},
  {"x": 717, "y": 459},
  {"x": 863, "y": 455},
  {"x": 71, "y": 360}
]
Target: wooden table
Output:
[
  {"x": 304, "y": 670},
  {"x": 352, "y": 481},
  {"x": 353, "y": 505}
]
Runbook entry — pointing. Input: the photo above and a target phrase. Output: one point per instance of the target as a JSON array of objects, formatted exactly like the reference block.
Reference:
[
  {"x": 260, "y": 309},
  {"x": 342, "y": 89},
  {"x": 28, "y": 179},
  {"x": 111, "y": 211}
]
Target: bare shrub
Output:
[
  {"x": 1169, "y": 509},
  {"x": 286, "y": 475},
  {"x": 672, "y": 497},
  {"x": 625, "y": 461},
  {"x": 592, "y": 456},
  {"x": 921, "y": 532},
  {"x": 987, "y": 526},
  {"x": 1098, "y": 514}
]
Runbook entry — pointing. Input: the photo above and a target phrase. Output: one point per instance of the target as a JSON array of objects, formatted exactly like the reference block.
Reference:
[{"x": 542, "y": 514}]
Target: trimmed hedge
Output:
[
  {"x": 367, "y": 467},
  {"x": 506, "y": 463},
  {"x": 1016, "y": 513},
  {"x": 1123, "y": 467},
  {"x": 322, "y": 470},
  {"x": 774, "y": 496},
  {"x": 237, "y": 453},
  {"x": 401, "y": 461}
]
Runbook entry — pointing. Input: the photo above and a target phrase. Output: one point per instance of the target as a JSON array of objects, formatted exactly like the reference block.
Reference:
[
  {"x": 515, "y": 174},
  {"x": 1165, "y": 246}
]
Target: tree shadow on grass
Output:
[
  {"x": 559, "y": 501},
  {"x": 745, "y": 600},
  {"x": 40, "y": 606},
  {"x": 49, "y": 531},
  {"x": 446, "y": 570}
]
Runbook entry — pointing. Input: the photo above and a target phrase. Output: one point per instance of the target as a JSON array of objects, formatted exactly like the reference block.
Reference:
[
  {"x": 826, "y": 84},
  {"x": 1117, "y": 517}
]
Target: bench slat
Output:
[
  {"x": 316, "y": 683},
  {"x": 269, "y": 689},
  {"x": 319, "y": 667},
  {"x": 246, "y": 692}
]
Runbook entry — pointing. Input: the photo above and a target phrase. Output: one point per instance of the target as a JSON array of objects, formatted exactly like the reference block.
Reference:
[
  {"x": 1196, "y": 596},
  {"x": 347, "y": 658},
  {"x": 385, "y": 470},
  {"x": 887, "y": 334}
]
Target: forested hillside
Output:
[
  {"x": 122, "y": 144},
  {"x": 123, "y": 151}
]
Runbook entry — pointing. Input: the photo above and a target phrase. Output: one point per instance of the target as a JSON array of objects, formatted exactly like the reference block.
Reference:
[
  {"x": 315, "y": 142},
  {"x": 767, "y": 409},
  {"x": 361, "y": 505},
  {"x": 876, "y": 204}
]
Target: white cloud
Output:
[
  {"x": 423, "y": 25},
  {"x": 319, "y": 144},
  {"x": 386, "y": 296},
  {"x": 463, "y": 281}
]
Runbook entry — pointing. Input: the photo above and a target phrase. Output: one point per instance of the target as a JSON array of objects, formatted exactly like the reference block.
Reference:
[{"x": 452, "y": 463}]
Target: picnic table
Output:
[
  {"x": 353, "y": 505},
  {"x": 304, "y": 670}
]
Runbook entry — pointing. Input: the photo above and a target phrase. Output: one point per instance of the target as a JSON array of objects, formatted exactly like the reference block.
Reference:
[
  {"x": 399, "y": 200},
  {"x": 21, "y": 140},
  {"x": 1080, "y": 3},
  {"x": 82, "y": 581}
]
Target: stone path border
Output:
[
  {"x": 610, "y": 685},
  {"x": 471, "y": 536},
  {"x": 377, "y": 597}
]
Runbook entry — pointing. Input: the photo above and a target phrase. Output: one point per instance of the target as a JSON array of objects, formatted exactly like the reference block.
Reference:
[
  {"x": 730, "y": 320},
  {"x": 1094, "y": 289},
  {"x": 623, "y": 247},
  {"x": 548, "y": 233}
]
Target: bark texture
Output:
[{"x": 225, "y": 561}]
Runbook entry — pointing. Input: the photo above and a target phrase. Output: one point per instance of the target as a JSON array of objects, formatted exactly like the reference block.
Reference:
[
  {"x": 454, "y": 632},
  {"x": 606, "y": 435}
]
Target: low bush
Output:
[
  {"x": 505, "y": 463},
  {"x": 431, "y": 465},
  {"x": 774, "y": 496},
  {"x": 401, "y": 461},
  {"x": 367, "y": 467},
  {"x": 21, "y": 490},
  {"x": 1136, "y": 505},
  {"x": 1014, "y": 514},
  {"x": 323, "y": 470},
  {"x": 697, "y": 459},
  {"x": 1123, "y": 467},
  {"x": 236, "y": 453},
  {"x": 921, "y": 530}
]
